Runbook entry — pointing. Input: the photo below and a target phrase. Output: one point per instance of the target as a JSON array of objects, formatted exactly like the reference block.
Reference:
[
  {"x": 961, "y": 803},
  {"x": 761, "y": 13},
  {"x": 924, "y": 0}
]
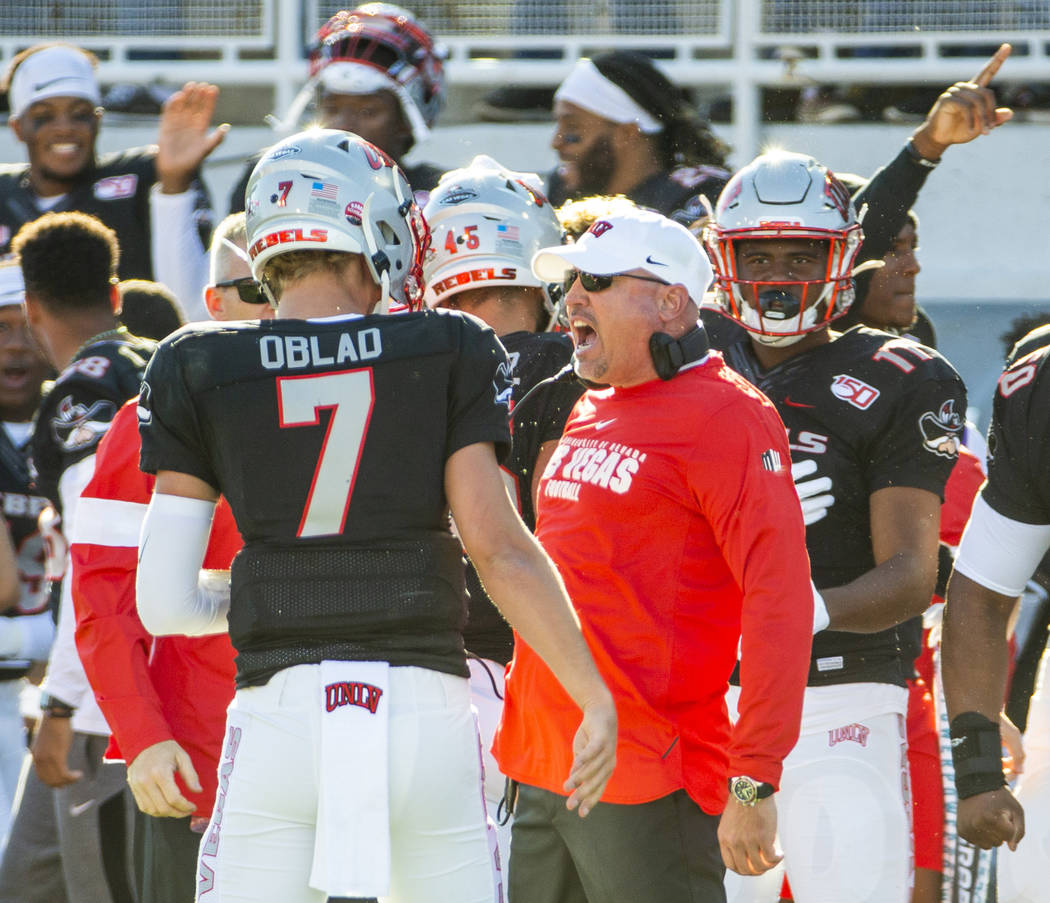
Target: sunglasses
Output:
[
  {"x": 593, "y": 283},
  {"x": 248, "y": 290}
]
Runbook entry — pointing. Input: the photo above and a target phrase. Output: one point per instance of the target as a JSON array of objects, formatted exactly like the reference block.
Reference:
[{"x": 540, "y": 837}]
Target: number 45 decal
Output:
[{"x": 349, "y": 396}]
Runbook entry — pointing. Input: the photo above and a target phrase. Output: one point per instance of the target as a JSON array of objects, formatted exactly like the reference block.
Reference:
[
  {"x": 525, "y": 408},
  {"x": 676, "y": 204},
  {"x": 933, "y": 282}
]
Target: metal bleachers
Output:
[{"x": 737, "y": 46}]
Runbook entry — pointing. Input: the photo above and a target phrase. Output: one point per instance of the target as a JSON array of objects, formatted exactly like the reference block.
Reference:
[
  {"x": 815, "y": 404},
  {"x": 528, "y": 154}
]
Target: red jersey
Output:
[
  {"x": 670, "y": 512},
  {"x": 149, "y": 688}
]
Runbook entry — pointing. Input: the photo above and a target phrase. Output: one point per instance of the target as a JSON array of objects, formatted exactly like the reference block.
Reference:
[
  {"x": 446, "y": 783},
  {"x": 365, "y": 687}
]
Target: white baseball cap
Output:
[
  {"x": 59, "y": 71},
  {"x": 635, "y": 239}
]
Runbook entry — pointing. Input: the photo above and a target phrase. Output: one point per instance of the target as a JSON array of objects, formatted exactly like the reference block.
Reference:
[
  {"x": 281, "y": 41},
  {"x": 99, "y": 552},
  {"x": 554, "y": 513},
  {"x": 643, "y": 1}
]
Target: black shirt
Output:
[
  {"x": 329, "y": 440},
  {"x": 870, "y": 411},
  {"x": 79, "y": 406},
  {"x": 533, "y": 356},
  {"x": 116, "y": 190}
]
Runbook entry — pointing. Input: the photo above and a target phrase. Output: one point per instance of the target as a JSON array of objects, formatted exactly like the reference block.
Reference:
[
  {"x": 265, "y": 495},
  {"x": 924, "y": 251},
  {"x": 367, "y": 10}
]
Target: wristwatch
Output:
[
  {"x": 55, "y": 707},
  {"x": 747, "y": 791}
]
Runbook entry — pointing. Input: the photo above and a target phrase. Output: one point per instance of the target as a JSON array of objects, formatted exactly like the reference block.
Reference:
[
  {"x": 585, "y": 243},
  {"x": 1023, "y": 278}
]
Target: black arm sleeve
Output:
[{"x": 889, "y": 194}]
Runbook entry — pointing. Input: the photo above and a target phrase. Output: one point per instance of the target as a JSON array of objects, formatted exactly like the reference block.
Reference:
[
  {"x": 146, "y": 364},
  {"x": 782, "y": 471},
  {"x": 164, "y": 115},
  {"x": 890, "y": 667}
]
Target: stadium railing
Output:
[{"x": 738, "y": 45}]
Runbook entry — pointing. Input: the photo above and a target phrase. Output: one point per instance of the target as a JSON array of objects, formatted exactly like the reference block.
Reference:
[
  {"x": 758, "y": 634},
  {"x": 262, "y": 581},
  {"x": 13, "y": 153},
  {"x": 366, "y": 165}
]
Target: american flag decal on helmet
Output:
[{"x": 771, "y": 460}]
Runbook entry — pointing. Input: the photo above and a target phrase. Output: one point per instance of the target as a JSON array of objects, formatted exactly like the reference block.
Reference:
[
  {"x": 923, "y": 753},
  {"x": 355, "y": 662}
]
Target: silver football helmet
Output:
[
  {"x": 783, "y": 195},
  {"x": 486, "y": 224},
  {"x": 329, "y": 190}
]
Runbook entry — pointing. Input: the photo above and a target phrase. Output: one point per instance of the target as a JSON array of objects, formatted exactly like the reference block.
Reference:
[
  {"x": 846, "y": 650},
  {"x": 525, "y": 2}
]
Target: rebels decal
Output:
[
  {"x": 285, "y": 236},
  {"x": 484, "y": 274}
]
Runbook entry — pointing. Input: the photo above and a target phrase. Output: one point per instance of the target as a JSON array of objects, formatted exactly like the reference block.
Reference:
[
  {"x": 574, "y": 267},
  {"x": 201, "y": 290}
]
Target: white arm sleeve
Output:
[
  {"x": 1000, "y": 553},
  {"x": 179, "y": 259},
  {"x": 172, "y": 593}
]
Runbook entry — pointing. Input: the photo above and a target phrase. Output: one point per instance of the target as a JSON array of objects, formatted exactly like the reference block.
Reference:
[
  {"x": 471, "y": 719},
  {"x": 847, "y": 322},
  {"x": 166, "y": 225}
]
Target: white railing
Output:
[{"x": 737, "y": 46}]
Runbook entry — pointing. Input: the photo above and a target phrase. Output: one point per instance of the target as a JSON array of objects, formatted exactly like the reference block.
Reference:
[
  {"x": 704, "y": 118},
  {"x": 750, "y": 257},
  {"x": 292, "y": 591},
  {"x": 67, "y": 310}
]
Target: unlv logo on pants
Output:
[{"x": 352, "y": 693}]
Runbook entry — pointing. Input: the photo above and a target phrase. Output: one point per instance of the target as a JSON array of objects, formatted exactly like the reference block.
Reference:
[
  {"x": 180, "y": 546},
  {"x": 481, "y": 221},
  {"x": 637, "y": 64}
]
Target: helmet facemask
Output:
[{"x": 784, "y": 196}]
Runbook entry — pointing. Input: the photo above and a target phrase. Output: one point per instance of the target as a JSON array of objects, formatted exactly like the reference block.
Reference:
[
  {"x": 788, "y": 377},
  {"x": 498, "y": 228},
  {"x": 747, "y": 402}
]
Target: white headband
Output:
[
  {"x": 586, "y": 87},
  {"x": 12, "y": 286},
  {"x": 53, "y": 72}
]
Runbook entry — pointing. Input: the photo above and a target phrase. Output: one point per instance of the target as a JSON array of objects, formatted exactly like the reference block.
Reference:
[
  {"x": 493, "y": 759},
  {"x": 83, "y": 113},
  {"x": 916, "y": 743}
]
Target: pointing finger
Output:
[{"x": 990, "y": 68}]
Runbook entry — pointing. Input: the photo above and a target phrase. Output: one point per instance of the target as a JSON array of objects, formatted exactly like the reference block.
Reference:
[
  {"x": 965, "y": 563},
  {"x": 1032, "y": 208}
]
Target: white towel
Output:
[{"x": 352, "y": 845}]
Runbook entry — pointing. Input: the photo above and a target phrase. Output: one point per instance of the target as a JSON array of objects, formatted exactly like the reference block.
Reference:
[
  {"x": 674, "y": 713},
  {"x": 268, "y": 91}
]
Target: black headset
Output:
[{"x": 670, "y": 355}]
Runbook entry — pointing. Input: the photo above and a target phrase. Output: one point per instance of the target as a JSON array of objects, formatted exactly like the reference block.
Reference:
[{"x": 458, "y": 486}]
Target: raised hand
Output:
[
  {"x": 963, "y": 112},
  {"x": 185, "y": 136}
]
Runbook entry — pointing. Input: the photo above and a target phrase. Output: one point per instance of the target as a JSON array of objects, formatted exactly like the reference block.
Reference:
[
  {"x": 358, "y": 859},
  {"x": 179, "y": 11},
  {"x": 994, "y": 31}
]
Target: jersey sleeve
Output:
[
  {"x": 1019, "y": 441},
  {"x": 742, "y": 481},
  {"x": 168, "y": 424},
  {"x": 480, "y": 392},
  {"x": 113, "y": 645},
  {"x": 920, "y": 442}
]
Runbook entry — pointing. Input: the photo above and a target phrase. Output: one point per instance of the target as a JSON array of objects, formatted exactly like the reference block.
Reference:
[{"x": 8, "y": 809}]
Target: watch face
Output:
[{"x": 745, "y": 791}]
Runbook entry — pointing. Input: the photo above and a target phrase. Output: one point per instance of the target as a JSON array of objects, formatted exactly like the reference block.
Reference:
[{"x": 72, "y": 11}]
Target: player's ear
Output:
[
  {"x": 213, "y": 301},
  {"x": 114, "y": 296}
]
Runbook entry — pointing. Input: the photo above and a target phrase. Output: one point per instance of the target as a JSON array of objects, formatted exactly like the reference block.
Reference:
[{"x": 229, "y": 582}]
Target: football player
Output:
[
  {"x": 69, "y": 261},
  {"x": 486, "y": 222},
  {"x": 350, "y": 742},
  {"x": 375, "y": 70},
  {"x": 153, "y": 198},
  {"x": 874, "y": 424},
  {"x": 1005, "y": 539},
  {"x": 26, "y": 625},
  {"x": 164, "y": 698}
]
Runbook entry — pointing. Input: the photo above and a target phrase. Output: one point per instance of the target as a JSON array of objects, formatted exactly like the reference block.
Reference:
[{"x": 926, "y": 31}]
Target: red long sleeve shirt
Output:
[
  {"x": 149, "y": 688},
  {"x": 670, "y": 511}
]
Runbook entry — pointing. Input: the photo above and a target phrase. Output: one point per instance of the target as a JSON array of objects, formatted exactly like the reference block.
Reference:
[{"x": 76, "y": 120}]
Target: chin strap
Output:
[
  {"x": 670, "y": 355},
  {"x": 378, "y": 262}
]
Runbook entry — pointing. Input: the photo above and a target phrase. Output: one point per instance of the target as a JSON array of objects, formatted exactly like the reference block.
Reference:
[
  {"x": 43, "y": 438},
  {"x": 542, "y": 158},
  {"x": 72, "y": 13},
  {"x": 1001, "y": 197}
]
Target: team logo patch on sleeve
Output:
[
  {"x": 76, "y": 426},
  {"x": 114, "y": 187},
  {"x": 940, "y": 430},
  {"x": 503, "y": 385}
]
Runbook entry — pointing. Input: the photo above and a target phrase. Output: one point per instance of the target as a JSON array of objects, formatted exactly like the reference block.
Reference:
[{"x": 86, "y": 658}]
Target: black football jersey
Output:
[
  {"x": 116, "y": 190},
  {"x": 533, "y": 356},
  {"x": 79, "y": 406},
  {"x": 329, "y": 440},
  {"x": 675, "y": 194},
  {"x": 1018, "y": 484},
  {"x": 21, "y": 506},
  {"x": 867, "y": 411}
]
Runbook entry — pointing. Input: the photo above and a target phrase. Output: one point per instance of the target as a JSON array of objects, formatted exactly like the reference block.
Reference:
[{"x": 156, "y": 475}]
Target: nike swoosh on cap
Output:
[
  {"x": 46, "y": 84},
  {"x": 658, "y": 263}
]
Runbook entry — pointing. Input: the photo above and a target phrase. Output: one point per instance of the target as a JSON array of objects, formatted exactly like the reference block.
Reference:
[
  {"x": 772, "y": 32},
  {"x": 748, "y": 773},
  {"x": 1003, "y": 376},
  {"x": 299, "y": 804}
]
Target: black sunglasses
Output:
[
  {"x": 593, "y": 283},
  {"x": 248, "y": 290}
]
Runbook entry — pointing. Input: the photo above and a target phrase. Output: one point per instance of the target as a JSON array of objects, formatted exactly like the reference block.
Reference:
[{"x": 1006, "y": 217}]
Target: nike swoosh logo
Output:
[
  {"x": 658, "y": 263},
  {"x": 80, "y": 808},
  {"x": 601, "y": 424},
  {"x": 46, "y": 84},
  {"x": 797, "y": 404}
]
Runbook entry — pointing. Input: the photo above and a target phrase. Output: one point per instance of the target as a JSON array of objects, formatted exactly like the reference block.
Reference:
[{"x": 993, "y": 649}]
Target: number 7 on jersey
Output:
[{"x": 349, "y": 396}]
